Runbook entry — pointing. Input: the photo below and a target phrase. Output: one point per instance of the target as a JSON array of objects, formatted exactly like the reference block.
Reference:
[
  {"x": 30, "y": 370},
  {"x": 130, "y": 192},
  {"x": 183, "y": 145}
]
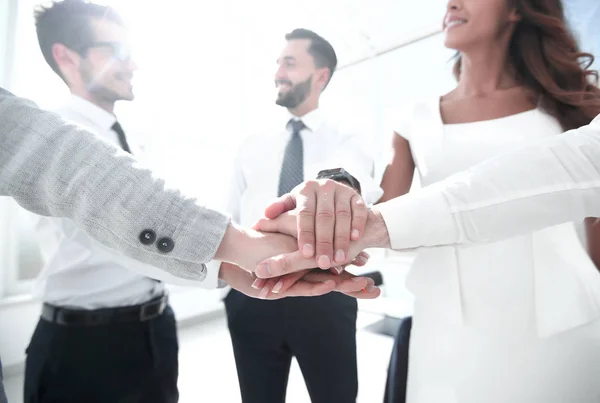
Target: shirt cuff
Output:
[
  {"x": 212, "y": 275},
  {"x": 421, "y": 218}
]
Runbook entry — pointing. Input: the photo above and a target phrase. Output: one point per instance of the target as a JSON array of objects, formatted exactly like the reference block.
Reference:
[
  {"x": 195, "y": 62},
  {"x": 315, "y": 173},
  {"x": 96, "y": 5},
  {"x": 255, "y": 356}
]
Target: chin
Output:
[
  {"x": 126, "y": 95},
  {"x": 280, "y": 98},
  {"x": 451, "y": 42}
]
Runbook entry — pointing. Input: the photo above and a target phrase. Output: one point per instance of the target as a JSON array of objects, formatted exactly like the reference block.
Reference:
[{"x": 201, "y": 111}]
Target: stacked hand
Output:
[
  {"x": 301, "y": 282},
  {"x": 324, "y": 216}
]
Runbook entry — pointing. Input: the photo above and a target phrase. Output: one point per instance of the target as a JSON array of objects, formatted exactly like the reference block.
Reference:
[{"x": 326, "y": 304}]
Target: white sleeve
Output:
[{"x": 554, "y": 182}]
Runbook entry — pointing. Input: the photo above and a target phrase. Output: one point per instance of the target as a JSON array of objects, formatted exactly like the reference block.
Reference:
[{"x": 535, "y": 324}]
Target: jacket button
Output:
[
  {"x": 165, "y": 245},
  {"x": 147, "y": 237}
]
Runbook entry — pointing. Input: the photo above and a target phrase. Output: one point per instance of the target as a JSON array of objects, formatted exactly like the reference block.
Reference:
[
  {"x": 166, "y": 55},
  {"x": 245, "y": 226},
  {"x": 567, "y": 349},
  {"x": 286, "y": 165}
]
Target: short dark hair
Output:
[
  {"x": 319, "y": 48},
  {"x": 69, "y": 22}
]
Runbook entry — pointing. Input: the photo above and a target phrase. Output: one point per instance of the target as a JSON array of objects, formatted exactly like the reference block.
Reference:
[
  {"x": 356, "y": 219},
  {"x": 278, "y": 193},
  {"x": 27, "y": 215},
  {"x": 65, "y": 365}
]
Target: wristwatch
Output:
[{"x": 340, "y": 175}]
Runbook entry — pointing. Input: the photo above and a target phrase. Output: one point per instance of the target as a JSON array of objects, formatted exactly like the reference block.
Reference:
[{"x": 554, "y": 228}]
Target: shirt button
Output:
[
  {"x": 147, "y": 237},
  {"x": 165, "y": 245}
]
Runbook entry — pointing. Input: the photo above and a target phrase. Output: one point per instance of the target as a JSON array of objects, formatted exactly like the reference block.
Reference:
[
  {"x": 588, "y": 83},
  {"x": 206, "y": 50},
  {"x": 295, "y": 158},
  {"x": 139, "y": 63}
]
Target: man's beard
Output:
[
  {"x": 97, "y": 88},
  {"x": 296, "y": 95}
]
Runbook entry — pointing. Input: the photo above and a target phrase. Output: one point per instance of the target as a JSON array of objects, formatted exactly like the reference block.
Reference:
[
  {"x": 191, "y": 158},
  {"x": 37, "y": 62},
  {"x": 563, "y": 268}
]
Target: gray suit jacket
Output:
[{"x": 57, "y": 169}]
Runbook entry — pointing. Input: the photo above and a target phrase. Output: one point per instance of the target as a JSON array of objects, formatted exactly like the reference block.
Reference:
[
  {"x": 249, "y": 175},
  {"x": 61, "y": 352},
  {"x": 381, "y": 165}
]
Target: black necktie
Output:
[
  {"x": 292, "y": 169},
  {"x": 122, "y": 139}
]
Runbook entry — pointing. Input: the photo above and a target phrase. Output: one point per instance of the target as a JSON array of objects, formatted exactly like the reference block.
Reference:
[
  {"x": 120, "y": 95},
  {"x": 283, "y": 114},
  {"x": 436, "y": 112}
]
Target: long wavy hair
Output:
[{"x": 546, "y": 59}]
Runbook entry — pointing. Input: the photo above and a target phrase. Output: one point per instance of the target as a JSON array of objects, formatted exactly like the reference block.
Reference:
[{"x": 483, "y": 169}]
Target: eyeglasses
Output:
[{"x": 119, "y": 50}]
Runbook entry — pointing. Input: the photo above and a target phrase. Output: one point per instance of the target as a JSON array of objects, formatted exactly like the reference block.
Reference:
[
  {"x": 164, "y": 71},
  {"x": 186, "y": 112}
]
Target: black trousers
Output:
[
  {"x": 319, "y": 331},
  {"x": 395, "y": 387},
  {"x": 116, "y": 363}
]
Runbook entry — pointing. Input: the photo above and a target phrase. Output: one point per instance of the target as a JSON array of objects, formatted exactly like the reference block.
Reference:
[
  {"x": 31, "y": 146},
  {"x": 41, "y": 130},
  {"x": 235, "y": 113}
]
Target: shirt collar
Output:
[
  {"x": 93, "y": 113},
  {"x": 313, "y": 120}
]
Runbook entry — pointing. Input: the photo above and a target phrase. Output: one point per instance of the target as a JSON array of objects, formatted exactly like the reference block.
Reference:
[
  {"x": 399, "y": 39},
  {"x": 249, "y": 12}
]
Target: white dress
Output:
[{"x": 516, "y": 321}]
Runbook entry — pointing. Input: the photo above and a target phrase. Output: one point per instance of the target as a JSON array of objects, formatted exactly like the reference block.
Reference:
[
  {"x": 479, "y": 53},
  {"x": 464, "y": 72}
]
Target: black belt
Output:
[{"x": 104, "y": 316}]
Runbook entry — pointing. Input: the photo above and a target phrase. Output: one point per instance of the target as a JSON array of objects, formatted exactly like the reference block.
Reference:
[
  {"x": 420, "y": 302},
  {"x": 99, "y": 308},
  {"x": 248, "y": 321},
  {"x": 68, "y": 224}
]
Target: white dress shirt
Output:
[
  {"x": 79, "y": 271},
  {"x": 554, "y": 182},
  {"x": 258, "y": 165}
]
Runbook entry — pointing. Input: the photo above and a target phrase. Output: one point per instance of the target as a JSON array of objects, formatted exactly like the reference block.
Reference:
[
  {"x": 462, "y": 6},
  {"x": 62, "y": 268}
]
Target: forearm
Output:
[
  {"x": 235, "y": 245},
  {"x": 52, "y": 168}
]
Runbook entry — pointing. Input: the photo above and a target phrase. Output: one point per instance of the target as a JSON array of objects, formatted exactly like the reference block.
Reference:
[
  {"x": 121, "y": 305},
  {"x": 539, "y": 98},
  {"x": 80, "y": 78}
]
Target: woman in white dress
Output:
[{"x": 516, "y": 321}]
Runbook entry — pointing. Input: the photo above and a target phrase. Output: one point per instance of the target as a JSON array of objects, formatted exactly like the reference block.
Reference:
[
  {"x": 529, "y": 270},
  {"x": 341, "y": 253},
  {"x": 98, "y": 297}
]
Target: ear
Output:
[
  {"x": 66, "y": 59},
  {"x": 323, "y": 76}
]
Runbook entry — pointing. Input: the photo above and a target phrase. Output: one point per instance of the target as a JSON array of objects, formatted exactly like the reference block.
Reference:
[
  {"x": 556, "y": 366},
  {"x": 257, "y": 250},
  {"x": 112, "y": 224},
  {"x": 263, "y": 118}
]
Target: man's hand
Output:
[
  {"x": 304, "y": 283},
  {"x": 375, "y": 236},
  {"x": 329, "y": 216}
]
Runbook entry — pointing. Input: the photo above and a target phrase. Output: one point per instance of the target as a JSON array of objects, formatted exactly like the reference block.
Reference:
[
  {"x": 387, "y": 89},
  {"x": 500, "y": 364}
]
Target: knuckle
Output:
[
  {"x": 306, "y": 211},
  {"x": 360, "y": 213},
  {"x": 358, "y": 201},
  {"x": 306, "y": 233},
  {"x": 325, "y": 214},
  {"x": 310, "y": 185},
  {"x": 329, "y": 185},
  {"x": 285, "y": 264},
  {"x": 341, "y": 240},
  {"x": 342, "y": 213},
  {"x": 324, "y": 244}
]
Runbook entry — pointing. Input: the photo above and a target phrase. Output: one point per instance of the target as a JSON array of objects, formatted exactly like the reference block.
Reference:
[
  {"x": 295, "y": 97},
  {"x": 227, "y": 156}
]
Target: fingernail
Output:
[
  {"x": 324, "y": 262},
  {"x": 263, "y": 270},
  {"x": 340, "y": 256},
  {"x": 338, "y": 269},
  {"x": 357, "y": 279},
  {"x": 355, "y": 234},
  {"x": 363, "y": 259},
  {"x": 365, "y": 254},
  {"x": 371, "y": 288},
  {"x": 307, "y": 250},
  {"x": 263, "y": 293},
  {"x": 277, "y": 287},
  {"x": 255, "y": 284}
]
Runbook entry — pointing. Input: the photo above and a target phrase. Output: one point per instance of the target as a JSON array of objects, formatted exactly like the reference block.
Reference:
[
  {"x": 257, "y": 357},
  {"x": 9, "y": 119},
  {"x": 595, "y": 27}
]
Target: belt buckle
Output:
[{"x": 152, "y": 309}]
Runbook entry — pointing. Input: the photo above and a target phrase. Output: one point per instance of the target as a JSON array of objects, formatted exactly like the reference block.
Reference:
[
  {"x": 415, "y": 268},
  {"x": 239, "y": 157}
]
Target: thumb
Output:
[
  {"x": 280, "y": 205},
  {"x": 266, "y": 225},
  {"x": 284, "y": 224}
]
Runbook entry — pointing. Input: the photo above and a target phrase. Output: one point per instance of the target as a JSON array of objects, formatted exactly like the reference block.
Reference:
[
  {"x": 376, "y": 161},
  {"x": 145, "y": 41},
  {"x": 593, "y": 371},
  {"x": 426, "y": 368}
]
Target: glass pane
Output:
[{"x": 584, "y": 17}]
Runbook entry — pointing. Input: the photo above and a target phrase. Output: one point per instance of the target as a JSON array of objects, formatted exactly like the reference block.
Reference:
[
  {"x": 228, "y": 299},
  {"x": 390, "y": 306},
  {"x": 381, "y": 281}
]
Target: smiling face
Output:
[
  {"x": 470, "y": 23},
  {"x": 107, "y": 68},
  {"x": 298, "y": 78}
]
